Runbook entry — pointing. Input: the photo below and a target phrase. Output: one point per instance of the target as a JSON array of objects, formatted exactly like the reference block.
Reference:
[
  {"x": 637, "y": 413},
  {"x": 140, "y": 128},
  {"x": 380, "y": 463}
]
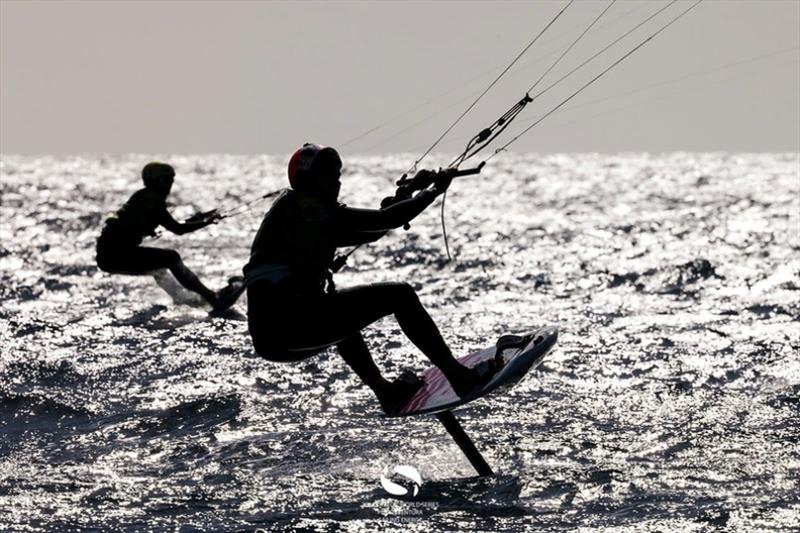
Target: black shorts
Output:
[
  {"x": 134, "y": 259},
  {"x": 289, "y": 323}
]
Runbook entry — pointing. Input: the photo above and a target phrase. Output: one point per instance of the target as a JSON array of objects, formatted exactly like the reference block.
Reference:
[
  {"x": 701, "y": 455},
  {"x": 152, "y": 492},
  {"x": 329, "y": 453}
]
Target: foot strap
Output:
[{"x": 511, "y": 341}]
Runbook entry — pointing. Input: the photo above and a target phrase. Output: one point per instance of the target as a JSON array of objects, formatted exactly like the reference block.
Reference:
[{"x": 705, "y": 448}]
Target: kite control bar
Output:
[
  {"x": 204, "y": 216},
  {"x": 407, "y": 186}
]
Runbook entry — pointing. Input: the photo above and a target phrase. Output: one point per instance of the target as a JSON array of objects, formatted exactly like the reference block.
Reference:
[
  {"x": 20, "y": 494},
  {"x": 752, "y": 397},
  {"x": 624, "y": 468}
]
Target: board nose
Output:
[{"x": 547, "y": 335}]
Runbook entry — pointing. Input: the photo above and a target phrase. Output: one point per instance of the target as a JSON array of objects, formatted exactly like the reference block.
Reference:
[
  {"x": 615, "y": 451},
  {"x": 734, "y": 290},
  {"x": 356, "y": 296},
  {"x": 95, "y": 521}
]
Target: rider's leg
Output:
[
  {"x": 355, "y": 353},
  {"x": 369, "y": 303},
  {"x": 189, "y": 279},
  {"x": 143, "y": 260},
  {"x": 340, "y": 315},
  {"x": 286, "y": 326}
]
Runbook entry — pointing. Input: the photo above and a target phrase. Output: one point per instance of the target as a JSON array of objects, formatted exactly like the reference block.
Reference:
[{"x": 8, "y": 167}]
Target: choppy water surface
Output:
[{"x": 670, "y": 403}]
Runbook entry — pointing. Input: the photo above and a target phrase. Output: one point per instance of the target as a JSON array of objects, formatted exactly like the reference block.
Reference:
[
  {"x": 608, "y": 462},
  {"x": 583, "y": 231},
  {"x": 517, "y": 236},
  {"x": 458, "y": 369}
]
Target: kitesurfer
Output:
[
  {"x": 119, "y": 249},
  {"x": 291, "y": 315}
]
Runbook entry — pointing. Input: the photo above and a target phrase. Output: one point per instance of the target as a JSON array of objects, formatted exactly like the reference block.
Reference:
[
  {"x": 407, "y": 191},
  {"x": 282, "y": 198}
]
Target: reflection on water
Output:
[{"x": 670, "y": 403}]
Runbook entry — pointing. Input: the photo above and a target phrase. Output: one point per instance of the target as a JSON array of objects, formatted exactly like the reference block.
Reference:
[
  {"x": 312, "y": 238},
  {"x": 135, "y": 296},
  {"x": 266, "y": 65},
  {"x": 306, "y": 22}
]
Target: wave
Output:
[
  {"x": 24, "y": 415},
  {"x": 196, "y": 416},
  {"x": 47, "y": 373},
  {"x": 670, "y": 279}
]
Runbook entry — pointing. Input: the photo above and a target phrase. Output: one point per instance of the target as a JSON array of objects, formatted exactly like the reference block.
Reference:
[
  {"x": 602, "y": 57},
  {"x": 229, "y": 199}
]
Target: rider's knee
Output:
[
  {"x": 353, "y": 344},
  {"x": 174, "y": 258},
  {"x": 405, "y": 292}
]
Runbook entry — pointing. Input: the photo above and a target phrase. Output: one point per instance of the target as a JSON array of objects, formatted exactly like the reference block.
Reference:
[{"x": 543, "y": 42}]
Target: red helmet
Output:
[{"x": 302, "y": 161}]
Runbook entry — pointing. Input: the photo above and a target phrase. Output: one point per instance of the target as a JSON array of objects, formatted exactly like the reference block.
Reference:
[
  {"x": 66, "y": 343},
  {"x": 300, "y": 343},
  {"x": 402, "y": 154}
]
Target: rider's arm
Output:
[
  {"x": 180, "y": 228},
  {"x": 351, "y": 220},
  {"x": 359, "y": 226},
  {"x": 354, "y": 238}
]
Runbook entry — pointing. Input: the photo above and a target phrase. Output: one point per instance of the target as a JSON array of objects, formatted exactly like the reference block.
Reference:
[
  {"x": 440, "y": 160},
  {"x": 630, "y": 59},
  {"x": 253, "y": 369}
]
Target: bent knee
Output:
[
  {"x": 173, "y": 257},
  {"x": 102, "y": 264},
  {"x": 404, "y": 292}
]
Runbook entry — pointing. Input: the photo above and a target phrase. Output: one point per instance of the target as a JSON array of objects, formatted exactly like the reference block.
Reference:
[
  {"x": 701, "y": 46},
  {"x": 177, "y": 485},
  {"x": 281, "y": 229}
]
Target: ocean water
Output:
[{"x": 670, "y": 403}]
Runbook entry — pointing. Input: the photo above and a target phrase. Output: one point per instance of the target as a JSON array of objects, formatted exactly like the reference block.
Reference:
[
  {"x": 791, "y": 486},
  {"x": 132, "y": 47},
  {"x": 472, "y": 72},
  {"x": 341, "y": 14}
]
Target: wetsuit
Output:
[
  {"x": 119, "y": 249},
  {"x": 292, "y": 317}
]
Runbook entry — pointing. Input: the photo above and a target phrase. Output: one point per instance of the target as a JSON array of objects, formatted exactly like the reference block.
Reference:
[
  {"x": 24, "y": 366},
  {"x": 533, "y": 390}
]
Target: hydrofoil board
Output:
[{"x": 519, "y": 354}]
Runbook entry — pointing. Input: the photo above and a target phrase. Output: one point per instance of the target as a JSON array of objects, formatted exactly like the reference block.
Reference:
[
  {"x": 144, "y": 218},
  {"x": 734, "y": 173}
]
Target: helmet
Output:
[
  {"x": 302, "y": 162},
  {"x": 156, "y": 175}
]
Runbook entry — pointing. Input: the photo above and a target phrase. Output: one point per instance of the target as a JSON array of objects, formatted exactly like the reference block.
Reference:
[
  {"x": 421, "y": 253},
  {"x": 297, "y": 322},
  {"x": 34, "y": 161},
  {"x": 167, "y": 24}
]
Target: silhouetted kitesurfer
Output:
[
  {"x": 119, "y": 249},
  {"x": 290, "y": 314}
]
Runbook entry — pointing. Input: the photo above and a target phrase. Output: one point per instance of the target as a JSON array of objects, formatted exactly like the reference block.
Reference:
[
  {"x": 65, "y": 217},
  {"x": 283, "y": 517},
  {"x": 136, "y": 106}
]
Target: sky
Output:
[{"x": 250, "y": 77}]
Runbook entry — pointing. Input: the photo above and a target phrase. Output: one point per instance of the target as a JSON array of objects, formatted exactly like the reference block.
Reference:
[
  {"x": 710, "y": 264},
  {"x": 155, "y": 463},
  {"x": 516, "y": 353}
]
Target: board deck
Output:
[{"x": 437, "y": 395}]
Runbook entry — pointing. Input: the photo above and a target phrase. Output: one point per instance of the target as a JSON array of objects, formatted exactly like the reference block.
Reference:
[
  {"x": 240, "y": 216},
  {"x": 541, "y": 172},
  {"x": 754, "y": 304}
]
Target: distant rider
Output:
[
  {"x": 119, "y": 249},
  {"x": 291, "y": 316}
]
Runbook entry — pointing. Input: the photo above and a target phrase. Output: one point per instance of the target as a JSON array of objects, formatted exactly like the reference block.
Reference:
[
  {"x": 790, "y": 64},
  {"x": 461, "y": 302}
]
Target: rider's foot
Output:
[
  {"x": 512, "y": 341},
  {"x": 399, "y": 392},
  {"x": 476, "y": 377},
  {"x": 226, "y": 297}
]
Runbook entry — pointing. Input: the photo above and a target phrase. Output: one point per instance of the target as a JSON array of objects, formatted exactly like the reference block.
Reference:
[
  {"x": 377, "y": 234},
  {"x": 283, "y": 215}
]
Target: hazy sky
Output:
[{"x": 262, "y": 77}]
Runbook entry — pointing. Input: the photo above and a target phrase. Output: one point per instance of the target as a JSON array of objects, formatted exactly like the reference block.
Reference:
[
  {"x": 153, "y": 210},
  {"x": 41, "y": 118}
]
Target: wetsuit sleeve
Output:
[
  {"x": 360, "y": 226},
  {"x": 354, "y": 238},
  {"x": 382, "y": 220},
  {"x": 179, "y": 228}
]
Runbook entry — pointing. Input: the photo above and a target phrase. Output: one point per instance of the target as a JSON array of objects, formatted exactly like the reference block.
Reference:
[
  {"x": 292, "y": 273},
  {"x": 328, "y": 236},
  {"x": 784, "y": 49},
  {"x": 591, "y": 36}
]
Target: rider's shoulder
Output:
[
  {"x": 149, "y": 195},
  {"x": 147, "y": 199}
]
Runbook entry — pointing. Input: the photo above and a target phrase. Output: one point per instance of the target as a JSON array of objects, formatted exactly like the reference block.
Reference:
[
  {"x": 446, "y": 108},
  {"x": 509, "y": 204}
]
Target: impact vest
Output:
[
  {"x": 296, "y": 238},
  {"x": 138, "y": 218}
]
